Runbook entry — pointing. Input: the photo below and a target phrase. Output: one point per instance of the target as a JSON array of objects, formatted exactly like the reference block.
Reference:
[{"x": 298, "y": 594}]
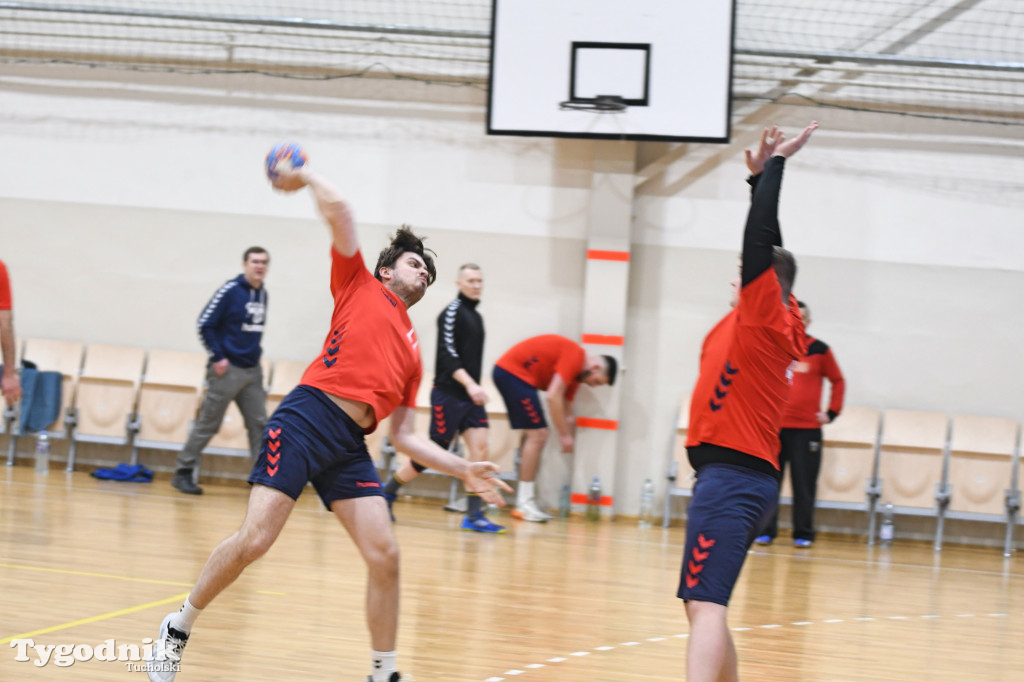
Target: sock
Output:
[
  {"x": 524, "y": 492},
  {"x": 393, "y": 485},
  {"x": 383, "y": 665},
  {"x": 473, "y": 506},
  {"x": 185, "y": 618}
]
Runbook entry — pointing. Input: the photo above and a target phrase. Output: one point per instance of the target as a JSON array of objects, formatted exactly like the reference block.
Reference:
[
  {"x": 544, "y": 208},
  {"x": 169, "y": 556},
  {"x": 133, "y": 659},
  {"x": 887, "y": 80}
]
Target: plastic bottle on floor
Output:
[
  {"x": 887, "y": 530},
  {"x": 594, "y": 501},
  {"x": 646, "y": 516},
  {"x": 42, "y": 458}
]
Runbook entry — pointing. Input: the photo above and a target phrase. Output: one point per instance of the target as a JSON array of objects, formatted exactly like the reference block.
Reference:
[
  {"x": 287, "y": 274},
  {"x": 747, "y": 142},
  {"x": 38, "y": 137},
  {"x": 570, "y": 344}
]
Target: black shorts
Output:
[
  {"x": 310, "y": 439},
  {"x": 730, "y": 505},
  {"x": 451, "y": 415},
  {"x": 521, "y": 400}
]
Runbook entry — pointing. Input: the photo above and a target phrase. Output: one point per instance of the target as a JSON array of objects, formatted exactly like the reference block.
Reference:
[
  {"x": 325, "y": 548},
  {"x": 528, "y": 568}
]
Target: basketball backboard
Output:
[{"x": 620, "y": 69}]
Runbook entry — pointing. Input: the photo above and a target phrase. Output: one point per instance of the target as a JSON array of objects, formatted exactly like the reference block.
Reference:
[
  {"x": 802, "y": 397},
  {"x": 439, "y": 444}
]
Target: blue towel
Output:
[
  {"x": 135, "y": 473},
  {"x": 40, "y": 399}
]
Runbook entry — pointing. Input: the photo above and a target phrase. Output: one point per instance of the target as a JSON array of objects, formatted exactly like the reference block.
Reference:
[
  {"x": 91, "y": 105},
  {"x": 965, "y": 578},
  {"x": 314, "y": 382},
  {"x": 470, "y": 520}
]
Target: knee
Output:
[
  {"x": 537, "y": 436},
  {"x": 253, "y": 544},
  {"x": 481, "y": 453},
  {"x": 383, "y": 559}
]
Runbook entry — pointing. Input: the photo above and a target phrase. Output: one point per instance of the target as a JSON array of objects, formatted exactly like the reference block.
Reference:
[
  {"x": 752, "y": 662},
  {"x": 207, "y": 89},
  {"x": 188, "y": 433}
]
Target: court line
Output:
[
  {"x": 94, "y": 619},
  {"x": 87, "y": 574},
  {"x": 770, "y": 626}
]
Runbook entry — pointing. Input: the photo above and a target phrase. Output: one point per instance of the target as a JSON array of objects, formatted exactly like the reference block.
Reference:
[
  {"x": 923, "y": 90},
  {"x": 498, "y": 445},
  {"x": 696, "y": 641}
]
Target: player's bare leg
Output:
[
  {"x": 710, "y": 652},
  {"x": 529, "y": 461},
  {"x": 366, "y": 520}
]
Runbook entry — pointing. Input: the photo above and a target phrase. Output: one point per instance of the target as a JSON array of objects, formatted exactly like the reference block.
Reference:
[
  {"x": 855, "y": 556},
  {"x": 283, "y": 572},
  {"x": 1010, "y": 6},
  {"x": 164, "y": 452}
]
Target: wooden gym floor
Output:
[{"x": 83, "y": 561}]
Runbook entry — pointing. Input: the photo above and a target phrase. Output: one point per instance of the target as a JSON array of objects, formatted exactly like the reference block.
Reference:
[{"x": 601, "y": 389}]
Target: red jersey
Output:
[
  {"x": 538, "y": 359},
  {"x": 371, "y": 353},
  {"x": 805, "y": 396},
  {"x": 745, "y": 372},
  {"x": 5, "y": 288}
]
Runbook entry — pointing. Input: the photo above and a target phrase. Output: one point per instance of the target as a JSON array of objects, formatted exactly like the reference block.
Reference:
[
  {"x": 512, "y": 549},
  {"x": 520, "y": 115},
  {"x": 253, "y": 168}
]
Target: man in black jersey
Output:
[{"x": 457, "y": 400}]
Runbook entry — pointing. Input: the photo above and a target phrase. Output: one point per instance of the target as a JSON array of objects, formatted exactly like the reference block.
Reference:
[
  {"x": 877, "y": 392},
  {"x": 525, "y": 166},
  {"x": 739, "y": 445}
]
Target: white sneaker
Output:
[
  {"x": 167, "y": 650},
  {"x": 529, "y": 511}
]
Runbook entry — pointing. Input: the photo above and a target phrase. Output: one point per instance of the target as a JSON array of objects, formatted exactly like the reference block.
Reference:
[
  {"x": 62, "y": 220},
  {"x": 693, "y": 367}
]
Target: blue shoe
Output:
[
  {"x": 801, "y": 543},
  {"x": 481, "y": 525},
  {"x": 391, "y": 502},
  {"x": 763, "y": 539}
]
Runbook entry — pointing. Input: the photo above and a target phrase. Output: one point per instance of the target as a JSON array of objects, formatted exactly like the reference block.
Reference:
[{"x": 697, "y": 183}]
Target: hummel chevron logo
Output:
[
  {"x": 273, "y": 459},
  {"x": 274, "y": 433}
]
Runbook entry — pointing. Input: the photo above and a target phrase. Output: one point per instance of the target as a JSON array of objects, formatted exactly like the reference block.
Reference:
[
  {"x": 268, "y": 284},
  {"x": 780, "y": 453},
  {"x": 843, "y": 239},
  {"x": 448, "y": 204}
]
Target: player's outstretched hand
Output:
[
  {"x": 788, "y": 148},
  {"x": 482, "y": 479},
  {"x": 290, "y": 179},
  {"x": 757, "y": 158}
]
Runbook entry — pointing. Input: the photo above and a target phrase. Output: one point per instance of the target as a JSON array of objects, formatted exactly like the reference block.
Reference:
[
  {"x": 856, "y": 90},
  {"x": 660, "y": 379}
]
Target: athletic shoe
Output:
[
  {"x": 391, "y": 502},
  {"x": 763, "y": 539},
  {"x": 395, "y": 677},
  {"x": 481, "y": 525},
  {"x": 459, "y": 506},
  {"x": 801, "y": 543},
  {"x": 183, "y": 481},
  {"x": 166, "y": 652},
  {"x": 528, "y": 511}
]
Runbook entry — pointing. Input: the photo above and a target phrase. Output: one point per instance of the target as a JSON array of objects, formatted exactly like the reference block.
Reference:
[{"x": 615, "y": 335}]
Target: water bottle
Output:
[
  {"x": 594, "y": 501},
  {"x": 646, "y": 505},
  {"x": 42, "y": 453},
  {"x": 564, "y": 502},
  {"x": 887, "y": 529}
]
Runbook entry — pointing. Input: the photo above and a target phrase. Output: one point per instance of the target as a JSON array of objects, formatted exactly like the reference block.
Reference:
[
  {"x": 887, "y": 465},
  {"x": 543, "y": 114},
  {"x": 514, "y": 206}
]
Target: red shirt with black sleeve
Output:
[
  {"x": 538, "y": 359},
  {"x": 371, "y": 353},
  {"x": 805, "y": 396},
  {"x": 745, "y": 371}
]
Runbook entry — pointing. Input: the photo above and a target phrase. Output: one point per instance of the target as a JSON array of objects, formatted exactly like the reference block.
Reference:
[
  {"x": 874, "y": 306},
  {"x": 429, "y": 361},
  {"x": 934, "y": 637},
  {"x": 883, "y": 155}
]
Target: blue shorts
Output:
[
  {"x": 451, "y": 415},
  {"x": 521, "y": 400},
  {"x": 730, "y": 505},
  {"x": 310, "y": 439}
]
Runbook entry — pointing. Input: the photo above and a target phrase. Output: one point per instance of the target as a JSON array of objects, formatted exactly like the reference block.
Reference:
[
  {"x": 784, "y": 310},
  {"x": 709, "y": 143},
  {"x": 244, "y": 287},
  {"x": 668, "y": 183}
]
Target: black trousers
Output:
[{"x": 800, "y": 449}]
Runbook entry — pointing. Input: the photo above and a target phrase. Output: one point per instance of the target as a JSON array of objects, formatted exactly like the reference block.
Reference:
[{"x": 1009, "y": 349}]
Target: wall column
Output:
[{"x": 605, "y": 294}]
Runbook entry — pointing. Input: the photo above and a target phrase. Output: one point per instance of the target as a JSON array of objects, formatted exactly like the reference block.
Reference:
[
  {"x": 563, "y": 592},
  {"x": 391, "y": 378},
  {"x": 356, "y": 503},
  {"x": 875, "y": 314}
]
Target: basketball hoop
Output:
[{"x": 602, "y": 104}]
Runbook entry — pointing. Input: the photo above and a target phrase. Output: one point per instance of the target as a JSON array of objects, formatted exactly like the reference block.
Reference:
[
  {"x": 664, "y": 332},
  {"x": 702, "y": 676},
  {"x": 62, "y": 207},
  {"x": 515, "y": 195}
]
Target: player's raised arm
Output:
[
  {"x": 762, "y": 232},
  {"x": 335, "y": 211},
  {"x": 288, "y": 172}
]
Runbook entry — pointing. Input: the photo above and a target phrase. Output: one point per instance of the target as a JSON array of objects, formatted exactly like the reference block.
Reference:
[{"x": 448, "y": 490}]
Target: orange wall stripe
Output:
[
  {"x": 604, "y": 339},
  {"x": 590, "y": 423},
  {"x": 597, "y": 254},
  {"x": 582, "y": 498}
]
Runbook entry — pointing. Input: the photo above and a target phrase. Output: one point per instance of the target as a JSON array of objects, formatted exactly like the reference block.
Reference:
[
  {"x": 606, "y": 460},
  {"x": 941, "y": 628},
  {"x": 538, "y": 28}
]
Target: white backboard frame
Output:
[{"x": 688, "y": 78}]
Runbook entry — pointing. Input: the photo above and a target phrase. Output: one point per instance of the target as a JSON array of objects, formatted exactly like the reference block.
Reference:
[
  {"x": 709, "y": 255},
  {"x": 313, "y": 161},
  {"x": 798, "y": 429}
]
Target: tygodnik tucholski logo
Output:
[{"x": 150, "y": 656}]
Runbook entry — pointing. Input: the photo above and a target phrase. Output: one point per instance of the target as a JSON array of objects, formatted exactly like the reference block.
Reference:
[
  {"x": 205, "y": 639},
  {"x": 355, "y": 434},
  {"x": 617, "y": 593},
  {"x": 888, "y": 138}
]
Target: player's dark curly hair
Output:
[{"x": 405, "y": 240}]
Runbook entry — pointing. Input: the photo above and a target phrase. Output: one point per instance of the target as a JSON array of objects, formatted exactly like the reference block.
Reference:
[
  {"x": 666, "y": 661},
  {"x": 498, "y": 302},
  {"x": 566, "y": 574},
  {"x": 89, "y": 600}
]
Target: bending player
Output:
[
  {"x": 558, "y": 366},
  {"x": 733, "y": 439},
  {"x": 369, "y": 368}
]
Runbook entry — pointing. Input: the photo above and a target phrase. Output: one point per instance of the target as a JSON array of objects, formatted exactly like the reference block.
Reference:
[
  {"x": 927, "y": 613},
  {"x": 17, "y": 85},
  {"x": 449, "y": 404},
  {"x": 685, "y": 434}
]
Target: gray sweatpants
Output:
[{"x": 245, "y": 387}]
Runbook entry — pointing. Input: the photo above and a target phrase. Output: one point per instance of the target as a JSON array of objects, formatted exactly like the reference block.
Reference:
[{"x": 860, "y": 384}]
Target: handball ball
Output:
[{"x": 286, "y": 156}]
